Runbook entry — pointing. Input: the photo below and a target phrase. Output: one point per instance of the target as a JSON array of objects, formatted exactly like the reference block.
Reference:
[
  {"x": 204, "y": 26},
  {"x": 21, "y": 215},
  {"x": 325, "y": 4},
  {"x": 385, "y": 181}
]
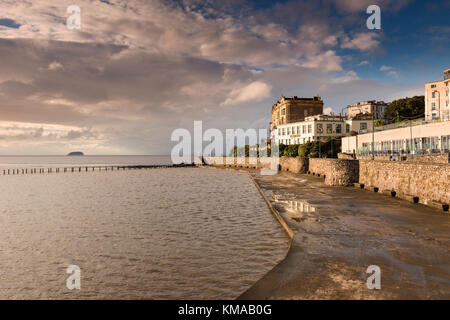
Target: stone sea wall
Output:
[
  {"x": 427, "y": 183},
  {"x": 239, "y": 162},
  {"x": 295, "y": 165},
  {"x": 337, "y": 172},
  {"x": 435, "y": 158},
  {"x": 422, "y": 182}
]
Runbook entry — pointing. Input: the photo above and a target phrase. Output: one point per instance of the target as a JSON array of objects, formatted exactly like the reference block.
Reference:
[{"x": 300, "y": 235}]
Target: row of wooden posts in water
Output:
[{"x": 88, "y": 168}]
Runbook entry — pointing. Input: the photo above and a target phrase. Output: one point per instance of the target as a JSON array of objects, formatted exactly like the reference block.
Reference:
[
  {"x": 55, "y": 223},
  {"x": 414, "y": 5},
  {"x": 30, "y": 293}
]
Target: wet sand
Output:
[{"x": 339, "y": 232}]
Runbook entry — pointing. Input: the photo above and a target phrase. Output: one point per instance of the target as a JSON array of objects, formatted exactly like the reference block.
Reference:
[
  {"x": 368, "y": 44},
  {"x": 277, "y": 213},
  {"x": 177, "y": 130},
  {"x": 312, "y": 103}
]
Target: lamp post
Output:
[
  {"x": 320, "y": 152},
  {"x": 412, "y": 145},
  {"x": 332, "y": 153},
  {"x": 373, "y": 135}
]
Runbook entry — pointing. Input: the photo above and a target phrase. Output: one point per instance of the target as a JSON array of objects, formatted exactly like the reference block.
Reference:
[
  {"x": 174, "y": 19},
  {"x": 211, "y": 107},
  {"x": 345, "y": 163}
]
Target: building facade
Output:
[
  {"x": 364, "y": 108},
  {"x": 437, "y": 98},
  {"x": 290, "y": 110},
  {"x": 417, "y": 139},
  {"x": 318, "y": 127}
]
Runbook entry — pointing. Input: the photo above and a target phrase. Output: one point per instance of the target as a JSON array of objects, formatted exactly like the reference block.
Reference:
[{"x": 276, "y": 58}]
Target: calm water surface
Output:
[
  {"x": 64, "y": 161},
  {"x": 182, "y": 233}
]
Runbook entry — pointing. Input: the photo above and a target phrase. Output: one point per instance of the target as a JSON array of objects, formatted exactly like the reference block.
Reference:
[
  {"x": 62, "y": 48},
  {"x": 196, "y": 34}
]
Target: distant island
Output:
[{"x": 75, "y": 153}]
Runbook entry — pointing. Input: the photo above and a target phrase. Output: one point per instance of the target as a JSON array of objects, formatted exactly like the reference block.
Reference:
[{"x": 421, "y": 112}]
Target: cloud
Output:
[
  {"x": 361, "y": 5},
  {"x": 389, "y": 70},
  {"x": 362, "y": 41},
  {"x": 255, "y": 91},
  {"x": 55, "y": 65},
  {"x": 327, "y": 110},
  {"x": 327, "y": 61},
  {"x": 363, "y": 63},
  {"x": 138, "y": 70}
]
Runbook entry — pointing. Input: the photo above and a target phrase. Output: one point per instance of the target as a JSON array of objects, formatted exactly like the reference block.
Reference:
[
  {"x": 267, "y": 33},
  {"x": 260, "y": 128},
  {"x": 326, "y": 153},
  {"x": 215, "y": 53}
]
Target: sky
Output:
[{"x": 137, "y": 70}]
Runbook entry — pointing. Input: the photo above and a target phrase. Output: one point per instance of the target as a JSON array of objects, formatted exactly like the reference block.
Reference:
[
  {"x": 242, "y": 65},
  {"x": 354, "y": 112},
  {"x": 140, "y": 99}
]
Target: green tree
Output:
[
  {"x": 291, "y": 150},
  {"x": 405, "y": 108},
  {"x": 379, "y": 123}
]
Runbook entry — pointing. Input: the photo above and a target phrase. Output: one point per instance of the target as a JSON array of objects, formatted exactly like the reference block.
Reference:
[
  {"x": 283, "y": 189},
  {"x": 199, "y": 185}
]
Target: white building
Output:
[
  {"x": 318, "y": 127},
  {"x": 425, "y": 138},
  {"x": 367, "y": 108}
]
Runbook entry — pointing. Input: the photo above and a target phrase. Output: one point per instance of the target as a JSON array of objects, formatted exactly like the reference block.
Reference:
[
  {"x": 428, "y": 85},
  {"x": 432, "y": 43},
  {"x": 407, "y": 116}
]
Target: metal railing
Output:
[{"x": 367, "y": 151}]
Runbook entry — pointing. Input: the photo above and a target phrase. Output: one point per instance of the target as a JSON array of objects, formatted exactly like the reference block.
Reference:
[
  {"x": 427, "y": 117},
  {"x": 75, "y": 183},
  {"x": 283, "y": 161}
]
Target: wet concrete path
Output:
[{"x": 339, "y": 232}]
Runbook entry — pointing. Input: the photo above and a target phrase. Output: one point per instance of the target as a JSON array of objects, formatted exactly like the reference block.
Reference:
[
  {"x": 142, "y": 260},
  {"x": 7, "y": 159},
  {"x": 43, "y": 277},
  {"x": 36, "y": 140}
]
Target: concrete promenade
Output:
[{"x": 339, "y": 232}]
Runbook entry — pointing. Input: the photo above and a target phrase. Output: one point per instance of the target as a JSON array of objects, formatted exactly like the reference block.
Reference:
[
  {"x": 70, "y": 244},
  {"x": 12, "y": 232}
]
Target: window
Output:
[
  {"x": 347, "y": 128},
  {"x": 319, "y": 128},
  {"x": 339, "y": 128},
  {"x": 363, "y": 126},
  {"x": 309, "y": 128},
  {"x": 445, "y": 142},
  {"x": 304, "y": 129},
  {"x": 329, "y": 128},
  {"x": 283, "y": 131},
  {"x": 298, "y": 129},
  {"x": 288, "y": 130},
  {"x": 433, "y": 94},
  {"x": 283, "y": 112},
  {"x": 433, "y": 106},
  {"x": 433, "y": 86}
]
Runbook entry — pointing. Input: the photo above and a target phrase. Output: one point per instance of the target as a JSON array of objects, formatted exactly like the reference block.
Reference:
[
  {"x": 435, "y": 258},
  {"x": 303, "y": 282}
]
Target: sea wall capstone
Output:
[
  {"x": 435, "y": 158},
  {"x": 239, "y": 162},
  {"x": 295, "y": 165},
  {"x": 427, "y": 183},
  {"x": 337, "y": 172},
  {"x": 345, "y": 156}
]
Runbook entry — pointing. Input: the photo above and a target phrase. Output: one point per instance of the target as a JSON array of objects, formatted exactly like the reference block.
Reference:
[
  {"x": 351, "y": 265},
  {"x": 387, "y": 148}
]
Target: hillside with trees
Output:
[{"x": 400, "y": 109}]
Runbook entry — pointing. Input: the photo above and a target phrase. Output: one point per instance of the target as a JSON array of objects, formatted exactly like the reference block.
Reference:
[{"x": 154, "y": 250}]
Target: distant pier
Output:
[{"x": 41, "y": 170}]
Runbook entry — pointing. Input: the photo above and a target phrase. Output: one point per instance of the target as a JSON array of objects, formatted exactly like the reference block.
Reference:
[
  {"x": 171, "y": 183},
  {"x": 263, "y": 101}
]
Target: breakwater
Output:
[{"x": 41, "y": 170}]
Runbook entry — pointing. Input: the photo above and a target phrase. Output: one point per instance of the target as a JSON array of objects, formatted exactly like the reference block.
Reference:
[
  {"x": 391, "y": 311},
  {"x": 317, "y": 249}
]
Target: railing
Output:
[
  {"x": 406, "y": 123},
  {"x": 364, "y": 152}
]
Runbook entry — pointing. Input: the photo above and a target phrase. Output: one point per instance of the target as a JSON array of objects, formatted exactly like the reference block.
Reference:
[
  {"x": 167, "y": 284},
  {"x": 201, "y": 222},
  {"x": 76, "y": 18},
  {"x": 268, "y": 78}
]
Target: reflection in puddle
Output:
[
  {"x": 300, "y": 206},
  {"x": 295, "y": 209}
]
